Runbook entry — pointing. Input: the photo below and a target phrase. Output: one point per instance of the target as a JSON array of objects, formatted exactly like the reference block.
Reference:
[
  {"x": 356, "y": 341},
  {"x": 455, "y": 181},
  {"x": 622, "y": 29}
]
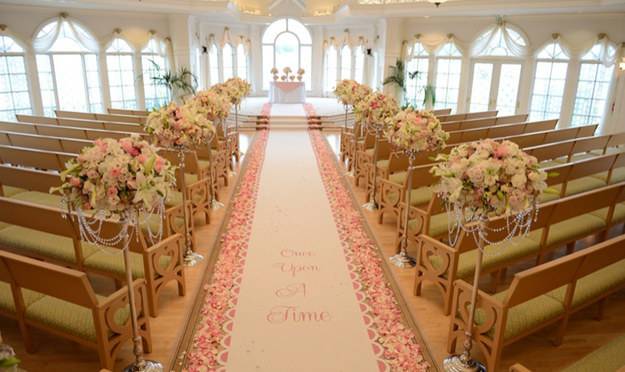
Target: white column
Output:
[
  {"x": 317, "y": 62},
  {"x": 256, "y": 59},
  {"x": 180, "y": 33},
  {"x": 392, "y": 41},
  {"x": 33, "y": 82},
  {"x": 570, "y": 88}
]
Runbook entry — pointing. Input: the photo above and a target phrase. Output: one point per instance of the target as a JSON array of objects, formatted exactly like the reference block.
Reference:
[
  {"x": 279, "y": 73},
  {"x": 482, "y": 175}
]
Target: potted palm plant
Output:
[
  {"x": 179, "y": 83},
  {"x": 397, "y": 78},
  {"x": 429, "y": 96}
]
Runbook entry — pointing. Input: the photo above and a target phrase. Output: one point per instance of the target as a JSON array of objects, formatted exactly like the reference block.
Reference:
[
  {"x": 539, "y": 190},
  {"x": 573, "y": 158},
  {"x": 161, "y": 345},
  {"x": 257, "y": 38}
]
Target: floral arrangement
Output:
[
  {"x": 274, "y": 71},
  {"x": 8, "y": 360},
  {"x": 113, "y": 176},
  {"x": 415, "y": 131},
  {"x": 287, "y": 70},
  {"x": 180, "y": 126},
  {"x": 489, "y": 178},
  {"x": 344, "y": 91},
  {"x": 237, "y": 89},
  {"x": 376, "y": 109},
  {"x": 301, "y": 71},
  {"x": 212, "y": 104}
]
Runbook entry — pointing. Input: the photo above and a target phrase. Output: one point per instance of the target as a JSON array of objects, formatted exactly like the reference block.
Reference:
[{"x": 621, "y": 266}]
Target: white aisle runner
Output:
[{"x": 297, "y": 310}]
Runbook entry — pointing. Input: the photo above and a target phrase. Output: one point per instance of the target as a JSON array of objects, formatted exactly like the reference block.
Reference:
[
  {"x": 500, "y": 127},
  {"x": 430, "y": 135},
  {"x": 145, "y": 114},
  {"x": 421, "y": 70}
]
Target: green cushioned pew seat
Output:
[
  {"x": 111, "y": 260},
  {"x": 527, "y": 315},
  {"x": 69, "y": 317},
  {"x": 419, "y": 196},
  {"x": 609, "y": 357},
  {"x": 583, "y": 184},
  {"x": 6, "y": 297},
  {"x": 40, "y": 198},
  {"x": 517, "y": 247},
  {"x": 398, "y": 177},
  {"x": 438, "y": 224},
  {"x": 31, "y": 242},
  {"x": 575, "y": 227},
  {"x": 383, "y": 164},
  {"x": 618, "y": 175},
  {"x": 594, "y": 285},
  {"x": 619, "y": 213},
  {"x": 9, "y": 191}
]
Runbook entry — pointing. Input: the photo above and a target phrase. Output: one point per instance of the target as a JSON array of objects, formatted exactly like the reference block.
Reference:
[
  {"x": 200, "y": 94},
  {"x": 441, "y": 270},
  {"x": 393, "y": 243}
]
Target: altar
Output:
[{"x": 287, "y": 92}]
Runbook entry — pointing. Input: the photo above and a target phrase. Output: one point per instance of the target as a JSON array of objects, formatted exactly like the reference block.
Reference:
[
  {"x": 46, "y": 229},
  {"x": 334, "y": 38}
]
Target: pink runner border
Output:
[
  {"x": 211, "y": 338},
  {"x": 395, "y": 344}
]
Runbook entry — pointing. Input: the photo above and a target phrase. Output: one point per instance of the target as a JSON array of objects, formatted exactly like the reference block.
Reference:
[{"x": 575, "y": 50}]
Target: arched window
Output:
[
  {"x": 227, "y": 60},
  {"x": 346, "y": 62},
  {"x": 552, "y": 63},
  {"x": 359, "y": 64},
  {"x": 154, "y": 63},
  {"x": 287, "y": 43},
  {"x": 331, "y": 68},
  {"x": 593, "y": 88},
  {"x": 68, "y": 67},
  {"x": 448, "y": 70},
  {"x": 418, "y": 65},
  {"x": 14, "y": 93},
  {"x": 121, "y": 74},
  {"x": 242, "y": 61},
  {"x": 213, "y": 61},
  {"x": 498, "y": 59}
]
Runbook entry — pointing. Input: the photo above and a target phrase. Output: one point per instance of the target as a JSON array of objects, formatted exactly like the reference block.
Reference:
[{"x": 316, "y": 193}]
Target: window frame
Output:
[
  {"x": 548, "y": 95},
  {"x": 24, "y": 54},
  {"x": 133, "y": 57}
]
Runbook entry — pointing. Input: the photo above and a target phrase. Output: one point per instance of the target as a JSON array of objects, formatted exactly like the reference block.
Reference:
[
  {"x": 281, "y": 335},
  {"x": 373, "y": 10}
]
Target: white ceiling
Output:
[{"x": 345, "y": 9}]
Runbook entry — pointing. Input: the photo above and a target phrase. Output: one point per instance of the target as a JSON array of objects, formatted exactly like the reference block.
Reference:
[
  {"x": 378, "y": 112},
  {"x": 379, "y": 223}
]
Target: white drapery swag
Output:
[
  {"x": 242, "y": 40},
  {"x": 44, "y": 40},
  {"x": 500, "y": 33},
  {"x": 604, "y": 51}
]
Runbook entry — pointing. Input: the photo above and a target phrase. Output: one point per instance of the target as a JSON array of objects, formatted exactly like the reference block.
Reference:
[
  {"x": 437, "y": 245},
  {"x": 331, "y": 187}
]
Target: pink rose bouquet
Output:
[
  {"x": 376, "y": 109},
  {"x": 489, "y": 178},
  {"x": 113, "y": 176},
  {"x": 215, "y": 106},
  {"x": 416, "y": 131},
  {"x": 175, "y": 126}
]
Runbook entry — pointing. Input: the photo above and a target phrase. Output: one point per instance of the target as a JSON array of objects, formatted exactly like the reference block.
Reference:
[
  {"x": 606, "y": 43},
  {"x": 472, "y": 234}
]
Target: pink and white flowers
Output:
[
  {"x": 212, "y": 104},
  {"x": 489, "y": 178},
  {"x": 179, "y": 126},
  {"x": 115, "y": 175},
  {"x": 234, "y": 88},
  {"x": 376, "y": 109},
  {"x": 416, "y": 131},
  {"x": 350, "y": 92}
]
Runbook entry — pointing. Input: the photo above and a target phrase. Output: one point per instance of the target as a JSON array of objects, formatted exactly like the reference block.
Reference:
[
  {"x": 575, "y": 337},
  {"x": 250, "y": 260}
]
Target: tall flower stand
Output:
[
  {"x": 402, "y": 259},
  {"x": 212, "y": 177},
  {"x": 463, "y": 362},
  {"x": 191, "y": 258},
  {"x": 372, "y": 204},
  {"x": 129, "y": 221}
]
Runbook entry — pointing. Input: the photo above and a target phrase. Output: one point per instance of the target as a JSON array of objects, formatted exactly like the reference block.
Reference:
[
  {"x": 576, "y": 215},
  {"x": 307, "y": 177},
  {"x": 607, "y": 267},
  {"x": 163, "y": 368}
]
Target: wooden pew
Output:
[
  {"x": 64, "y": 131},
  {"x": 97, "y": 116},
  {"x": 392, "y": 178},
  {"x": 450, "y": 126},
  {"x": 560, "y": 222},
  {"x": 538, "y": 297},
  {"x": 82, "y": 123},
  {"x": 468, "y": 115},
  {"x": 44, "y": 232},
  {"x": 127, "y": 112},
  {"x": 44, "y": 296}
]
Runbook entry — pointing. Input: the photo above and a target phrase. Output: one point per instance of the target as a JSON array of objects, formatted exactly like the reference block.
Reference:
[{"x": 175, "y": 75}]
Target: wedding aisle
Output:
[{"x": 298, "y": 283}]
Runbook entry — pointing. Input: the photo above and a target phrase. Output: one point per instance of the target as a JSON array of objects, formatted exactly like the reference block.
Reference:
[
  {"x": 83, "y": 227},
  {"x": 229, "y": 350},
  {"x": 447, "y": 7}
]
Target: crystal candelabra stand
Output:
[
  {"x": 477, "y": 225},
  {"x": 372, "y": 205},
  {"x": 191, "y": 258},
  {"x": 402, "y": 259},
  {"x": 129, "y": 221}
]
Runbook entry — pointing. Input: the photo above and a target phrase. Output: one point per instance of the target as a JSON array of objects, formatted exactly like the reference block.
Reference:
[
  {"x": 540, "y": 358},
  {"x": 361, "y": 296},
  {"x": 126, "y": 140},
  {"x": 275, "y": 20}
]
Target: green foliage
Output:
[
  {"x": 182, "y": 81},
  {"x": 429, "y": 94},
  {"x": 9, "y": 362},
  {"x": 397, "y": 75}
]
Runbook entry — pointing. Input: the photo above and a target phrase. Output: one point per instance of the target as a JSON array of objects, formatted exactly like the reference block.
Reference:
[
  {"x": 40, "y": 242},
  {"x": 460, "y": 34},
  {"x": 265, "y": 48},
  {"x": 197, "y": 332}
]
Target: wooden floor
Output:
[{"x": 536, "y": 352}]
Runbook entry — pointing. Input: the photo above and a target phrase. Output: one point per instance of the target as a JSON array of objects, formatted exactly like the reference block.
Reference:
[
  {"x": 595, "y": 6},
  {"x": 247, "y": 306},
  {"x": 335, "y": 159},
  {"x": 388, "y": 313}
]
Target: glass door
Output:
[{"x": 495, "y": 86}]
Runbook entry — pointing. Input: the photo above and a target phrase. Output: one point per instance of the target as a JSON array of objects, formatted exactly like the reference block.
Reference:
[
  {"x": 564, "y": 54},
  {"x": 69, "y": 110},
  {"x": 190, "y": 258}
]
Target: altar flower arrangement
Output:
[
  {"x": 212, "y": 104},
  {"x": 490, "y": 178},
  {"x": 301, "y": 71},
  {"x": 113, "y": 176},
  {"x": 287, "y": 70},
  {"x": 274, "y": 71},
  {"x": 376, "y": 109},
  {"x": 416, "y": 131},
  {"x": 179, "y": 126}
]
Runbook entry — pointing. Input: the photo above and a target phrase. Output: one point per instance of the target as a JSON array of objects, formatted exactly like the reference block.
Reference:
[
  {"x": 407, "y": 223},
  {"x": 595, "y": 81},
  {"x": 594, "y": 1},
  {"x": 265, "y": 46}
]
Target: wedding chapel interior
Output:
[{"x": 312, "y": 185}]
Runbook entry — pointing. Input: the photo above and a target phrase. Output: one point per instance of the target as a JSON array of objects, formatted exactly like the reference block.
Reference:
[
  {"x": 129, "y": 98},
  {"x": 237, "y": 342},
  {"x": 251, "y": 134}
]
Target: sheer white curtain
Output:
[
  {"x": 500, "y": 39},
  {"x": 48, "y": 35}
]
